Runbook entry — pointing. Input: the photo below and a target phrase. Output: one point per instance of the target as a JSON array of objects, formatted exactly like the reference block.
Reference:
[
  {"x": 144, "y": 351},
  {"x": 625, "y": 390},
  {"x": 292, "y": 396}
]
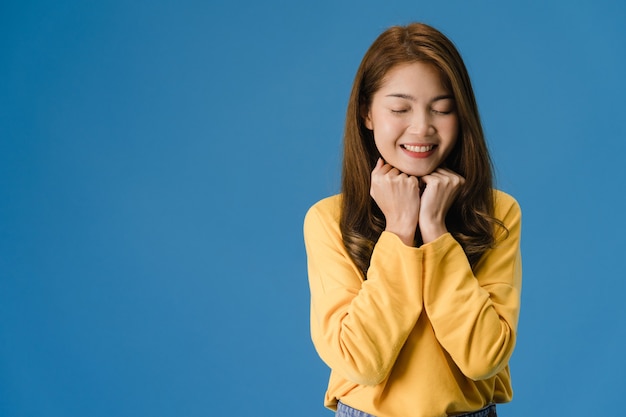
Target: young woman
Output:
[{"x": 414, "y": 269}]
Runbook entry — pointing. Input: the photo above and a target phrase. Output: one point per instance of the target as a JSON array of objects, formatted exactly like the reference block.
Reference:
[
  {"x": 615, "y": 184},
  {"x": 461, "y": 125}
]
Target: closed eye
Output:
[{"x": 443, "y": 105}]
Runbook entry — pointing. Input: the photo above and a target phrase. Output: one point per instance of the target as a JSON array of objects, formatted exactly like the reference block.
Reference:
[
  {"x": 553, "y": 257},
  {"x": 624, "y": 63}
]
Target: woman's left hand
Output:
[{"x": 442, "y": 186}]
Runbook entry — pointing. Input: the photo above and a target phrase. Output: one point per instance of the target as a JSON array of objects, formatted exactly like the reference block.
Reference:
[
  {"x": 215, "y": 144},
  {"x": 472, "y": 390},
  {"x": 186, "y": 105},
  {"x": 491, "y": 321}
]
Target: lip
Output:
[{"x": 413, "y": 154}]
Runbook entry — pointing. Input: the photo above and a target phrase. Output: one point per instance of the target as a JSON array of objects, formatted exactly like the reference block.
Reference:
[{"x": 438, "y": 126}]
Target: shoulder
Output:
[
  {"x": 505, "y": 205},
  {"x": 329, "y": 207},
  {"x": 324, "y": 214},
  {"x": 508, "y": 211}
]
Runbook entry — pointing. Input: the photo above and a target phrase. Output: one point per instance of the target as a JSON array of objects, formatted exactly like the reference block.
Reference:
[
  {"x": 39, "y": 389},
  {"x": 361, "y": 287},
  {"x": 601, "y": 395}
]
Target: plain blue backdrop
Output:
[{"x": 157, "y": 159}]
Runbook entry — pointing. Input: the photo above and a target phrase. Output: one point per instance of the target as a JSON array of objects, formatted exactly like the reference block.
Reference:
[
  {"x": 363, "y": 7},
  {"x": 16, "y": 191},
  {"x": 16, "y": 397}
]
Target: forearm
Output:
[
  {"x": 358, "y": 327},
  {"x": 475, "y": 313}
]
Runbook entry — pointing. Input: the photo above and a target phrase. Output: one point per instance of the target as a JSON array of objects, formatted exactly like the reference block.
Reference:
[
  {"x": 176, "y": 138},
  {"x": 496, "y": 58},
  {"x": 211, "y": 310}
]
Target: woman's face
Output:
[{"x": 414, "y": 120}]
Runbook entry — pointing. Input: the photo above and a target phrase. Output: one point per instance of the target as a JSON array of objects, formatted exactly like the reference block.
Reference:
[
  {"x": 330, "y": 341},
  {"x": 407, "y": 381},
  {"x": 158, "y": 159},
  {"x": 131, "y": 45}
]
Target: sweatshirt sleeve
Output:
[
  {"x": 359, "y": 327},
  {"x": 475, "y": 315}
]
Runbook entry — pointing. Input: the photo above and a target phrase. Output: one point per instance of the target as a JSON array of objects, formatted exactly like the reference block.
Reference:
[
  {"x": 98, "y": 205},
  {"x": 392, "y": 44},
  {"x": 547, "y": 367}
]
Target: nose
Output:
[{"x": 421, "y": 124}]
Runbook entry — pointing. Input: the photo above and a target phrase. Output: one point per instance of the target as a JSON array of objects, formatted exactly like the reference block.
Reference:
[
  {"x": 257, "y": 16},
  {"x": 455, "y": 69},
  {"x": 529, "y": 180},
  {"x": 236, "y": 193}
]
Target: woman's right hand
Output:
[{"x": 398, "y": 196}]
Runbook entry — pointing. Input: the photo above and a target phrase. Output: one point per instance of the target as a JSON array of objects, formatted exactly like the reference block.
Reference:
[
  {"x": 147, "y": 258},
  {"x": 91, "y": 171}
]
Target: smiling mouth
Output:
[{"x": 419, "y": 148}]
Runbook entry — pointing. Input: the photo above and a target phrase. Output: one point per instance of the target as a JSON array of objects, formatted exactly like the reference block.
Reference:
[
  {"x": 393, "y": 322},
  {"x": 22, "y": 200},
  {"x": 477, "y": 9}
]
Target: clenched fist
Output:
[
  {"x": 442, "y": 188},
  {"x": 408, "y": 202},
  {"x": 398, "y": 196}
]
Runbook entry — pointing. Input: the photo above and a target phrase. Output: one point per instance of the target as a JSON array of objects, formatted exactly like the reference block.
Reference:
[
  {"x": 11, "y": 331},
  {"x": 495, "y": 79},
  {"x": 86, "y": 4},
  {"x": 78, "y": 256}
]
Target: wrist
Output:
[
  {"x": 406, "y": 236},
  {"x": 432, "y": 232}
]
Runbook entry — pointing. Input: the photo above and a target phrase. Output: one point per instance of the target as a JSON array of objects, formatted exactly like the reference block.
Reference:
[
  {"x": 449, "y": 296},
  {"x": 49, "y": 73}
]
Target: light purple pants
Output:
[{"x": 347, "y": 411}]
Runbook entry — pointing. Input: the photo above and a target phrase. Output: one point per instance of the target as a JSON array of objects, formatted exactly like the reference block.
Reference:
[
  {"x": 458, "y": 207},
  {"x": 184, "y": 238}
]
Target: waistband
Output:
[
  {"x": 344, "y": 410},
  {"x": 489, "y": 411}
]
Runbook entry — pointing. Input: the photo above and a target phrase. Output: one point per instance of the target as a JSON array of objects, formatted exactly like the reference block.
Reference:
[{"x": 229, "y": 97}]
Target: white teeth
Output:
[{"x": 420, "y": 149}]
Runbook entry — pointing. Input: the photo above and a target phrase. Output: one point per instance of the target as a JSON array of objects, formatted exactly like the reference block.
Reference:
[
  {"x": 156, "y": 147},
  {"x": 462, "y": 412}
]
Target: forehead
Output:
[{"x": 415, "y": 77}]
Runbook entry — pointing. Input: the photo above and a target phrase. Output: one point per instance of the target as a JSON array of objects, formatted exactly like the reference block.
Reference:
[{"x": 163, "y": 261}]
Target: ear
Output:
[
  {"x": 368, "y": 121},
  {"x": 367, "y": 118}
]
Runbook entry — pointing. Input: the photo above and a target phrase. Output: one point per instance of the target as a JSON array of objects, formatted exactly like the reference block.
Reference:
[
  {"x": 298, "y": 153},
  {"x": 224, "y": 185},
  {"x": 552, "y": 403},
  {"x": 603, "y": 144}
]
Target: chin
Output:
[{"x": 417, "y": 172}]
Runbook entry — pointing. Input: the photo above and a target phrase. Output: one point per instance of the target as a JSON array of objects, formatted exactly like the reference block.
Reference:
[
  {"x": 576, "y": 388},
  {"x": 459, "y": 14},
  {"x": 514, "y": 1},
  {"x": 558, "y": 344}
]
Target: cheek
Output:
[
  {"x": 388, "y": 128},
  {"x": 385, "y": 136},
  {"x": 452, "y": 129},
  {"x": 452, "y": 137}
]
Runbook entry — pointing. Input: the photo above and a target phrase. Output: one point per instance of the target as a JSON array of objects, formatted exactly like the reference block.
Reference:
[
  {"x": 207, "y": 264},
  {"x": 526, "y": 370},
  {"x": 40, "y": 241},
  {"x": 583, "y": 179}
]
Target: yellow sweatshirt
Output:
[{"x": 424, "y": 335}]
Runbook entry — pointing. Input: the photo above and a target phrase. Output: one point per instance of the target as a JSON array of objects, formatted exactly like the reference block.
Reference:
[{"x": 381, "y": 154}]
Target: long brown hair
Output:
[{"x": 470, "y": 219}]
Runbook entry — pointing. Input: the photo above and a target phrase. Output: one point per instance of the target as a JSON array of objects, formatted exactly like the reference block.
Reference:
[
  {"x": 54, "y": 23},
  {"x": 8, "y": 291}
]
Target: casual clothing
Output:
[
  {"x": 347, "y": 411},
  {"x": 424, "y": 335}
]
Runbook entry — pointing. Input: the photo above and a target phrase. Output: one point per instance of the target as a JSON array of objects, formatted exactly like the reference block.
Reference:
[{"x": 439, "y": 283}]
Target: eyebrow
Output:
[{"x": 411, "y": 98}]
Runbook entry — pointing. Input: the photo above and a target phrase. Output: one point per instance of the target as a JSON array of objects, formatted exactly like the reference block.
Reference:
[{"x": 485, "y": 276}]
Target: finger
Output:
[
  {"x": 413, "y": 179},
  {"x": 445, "y": 176},
  {"x": 449, "y": 173},
  {"x": 432, "y": 178},
  {"x": 388, "y": 169},
  {"x": 379, "y": 164},
  {"x": 444, "y": 171},
  {"x": 394, "y": 172},
  {"x": 453, "y": 178},
  {"x": 380, "y": 168}
]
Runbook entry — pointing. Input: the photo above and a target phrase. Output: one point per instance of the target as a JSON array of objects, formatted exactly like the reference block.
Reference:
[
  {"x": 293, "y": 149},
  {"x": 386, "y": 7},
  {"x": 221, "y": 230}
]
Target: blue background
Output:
[{"x": 157, "y": 159}]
